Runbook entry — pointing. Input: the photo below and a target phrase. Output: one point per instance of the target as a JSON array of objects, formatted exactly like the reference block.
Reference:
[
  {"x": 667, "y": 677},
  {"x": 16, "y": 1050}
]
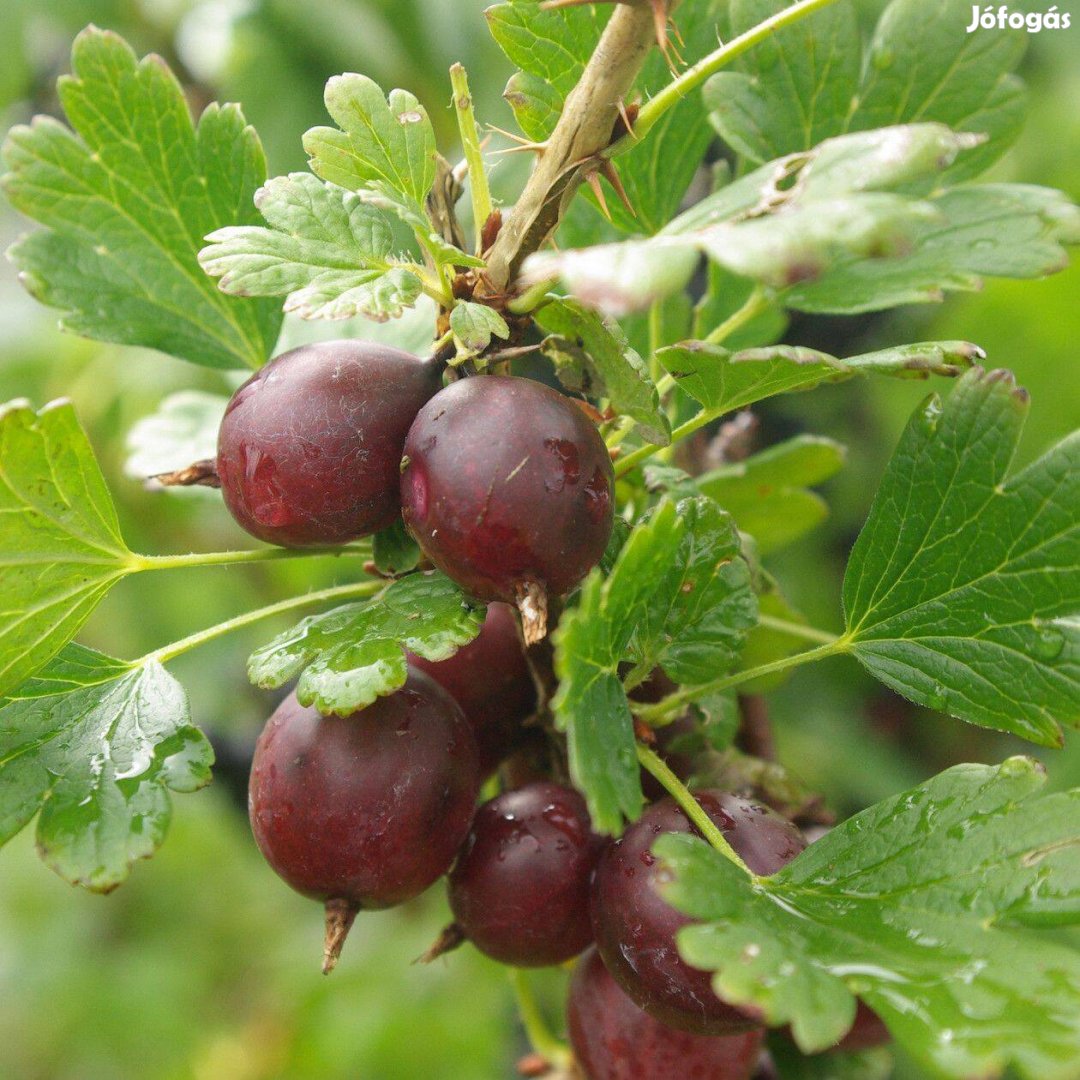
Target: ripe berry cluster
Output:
[{"x": 507, "y": 488}]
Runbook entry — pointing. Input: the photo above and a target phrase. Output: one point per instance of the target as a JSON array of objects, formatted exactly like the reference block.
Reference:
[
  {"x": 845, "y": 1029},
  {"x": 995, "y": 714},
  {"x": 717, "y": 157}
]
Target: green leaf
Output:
[
  {"x": 592, "y": 356},
  {"x": 963, "y": 589},
  {"x": 679, "y": 597},
  {"x": 836, "y": 209},
  {"x": 550, "y": 47},
  {"x": 992, "y": 230},
  {"x": 794, "y": 89},
  {"x": 536, "y": 104},
  {"x": 876, "y": 1064},
  {"x": 591, "y": 706},
  {"x": 394, "y": 550},
  {"x": 382, "y": 196},
  {"x": 126, "y": 198},
  {"x": 766, "y": 643},
  {"x": 182, "y": 431},
  {"x": 377, "y": 139},
  {"x": 919, "y": 68},
  {"x": 325, "y": 250},
  {"x": 94, "y": 743},
  {"x": 806, "y": 83},
  {"x": 60, "y": 544},
  {"x": 722, "y": 381},
  {"x": 348, "y": 657},
  {"x": 924, "y": 905},
  {"x": 766, "y": 493},
  {"x": 474, "y": 325}
]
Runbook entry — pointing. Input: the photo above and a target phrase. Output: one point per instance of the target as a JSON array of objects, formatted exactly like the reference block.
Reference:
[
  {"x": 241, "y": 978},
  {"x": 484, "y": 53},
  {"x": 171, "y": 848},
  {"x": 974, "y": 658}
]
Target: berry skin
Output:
[
  {"x": 508, "y": 489},
  {"x": 309, "y": 449},
  {"x": 367, "y": 810},
  {"x": 614, "y": 1040},
  {"x": 490, "y": 680},
  {"x": 635, "y": 927},
  {"x": 520, "y": 888}
]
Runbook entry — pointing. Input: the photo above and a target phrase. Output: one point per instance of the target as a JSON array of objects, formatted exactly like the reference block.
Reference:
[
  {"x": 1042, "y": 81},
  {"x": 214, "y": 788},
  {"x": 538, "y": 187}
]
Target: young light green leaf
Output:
[
  {"x": 806, "y": 83},
  {"x": 474, "y": 325},
  {"x": 592, "y": 356},
  {"x": 94, "y": 744},
  {"x": 377, "y": 139},
  {"x": 767, "y": 493},
  {"x": 963, "y": 589},
  {"x": 381, "y": 195},
  {"x": 722, "y": 381},
  {"x": 679, "y": 597},
  {"x": 325, "y": 250},
  {"x": 182, "y": 431},
  {"x": 126, "y": 198},
  {"x": 924, "y": 905},
  {"x": 348, "y": 657},
  {"x": 60, "y": 544}
]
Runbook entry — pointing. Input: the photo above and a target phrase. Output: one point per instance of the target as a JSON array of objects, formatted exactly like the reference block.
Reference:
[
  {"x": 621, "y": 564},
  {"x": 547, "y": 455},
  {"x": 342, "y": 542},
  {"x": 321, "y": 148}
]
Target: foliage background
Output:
[{"x": 202, "y": 965}]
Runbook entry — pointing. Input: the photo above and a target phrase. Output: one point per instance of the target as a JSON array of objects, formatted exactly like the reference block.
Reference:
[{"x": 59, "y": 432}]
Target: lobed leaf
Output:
[
  {"x": 348, "y": 657},
  {"x": 60, "y": 544},
  {"x": 378, "y": 139},
  {"x": 474, "y": 325},
  {"x": 126, "y": 196},
  {"x": 324, "y": 249},
  {"x": 963, "y": 589},
  {"x": 923, "y": 906},
  {"x": 95, "y": 744},
  {"x": 678, "y": 596}
]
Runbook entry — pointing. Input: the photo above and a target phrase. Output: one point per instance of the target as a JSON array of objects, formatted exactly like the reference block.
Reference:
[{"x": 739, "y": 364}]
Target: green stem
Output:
[
  {"x": 674, "y": 703},
  {"x": 643, "y": 453},
  {"x": 470, "y": 141},
  {"x": 537, "y": 1031},
  {"x": 193, "y": 641},
  {"x": 694, "y": 76},
  {"x": 226, "y": 558},
  {"x": 531, "y": 298},
  {"x": 755, "y": 303},
  {"x": 808, "y": 633},
  {"x": 654, "y": 764}
]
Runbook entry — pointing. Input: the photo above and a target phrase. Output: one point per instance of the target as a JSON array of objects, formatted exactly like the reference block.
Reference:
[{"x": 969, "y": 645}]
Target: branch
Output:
[{"x": 583, "y": 131}]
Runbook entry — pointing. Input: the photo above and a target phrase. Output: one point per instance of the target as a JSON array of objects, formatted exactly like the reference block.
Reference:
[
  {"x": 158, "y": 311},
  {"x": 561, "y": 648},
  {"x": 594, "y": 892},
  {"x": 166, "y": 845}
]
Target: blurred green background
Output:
[{"x": 203, "y": 965}]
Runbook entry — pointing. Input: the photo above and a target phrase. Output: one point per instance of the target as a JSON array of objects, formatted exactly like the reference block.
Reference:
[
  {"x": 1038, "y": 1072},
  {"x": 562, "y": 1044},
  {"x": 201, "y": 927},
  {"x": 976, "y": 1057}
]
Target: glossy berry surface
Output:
[
  {"x": 368, "y": 808},
  {"x": 490, "y": 680},
  {"x": 635, "y": 927},
  {"x": 520, "y": 887},
  {"x": 507, "y": 484},
  {"x": 309, "y": 448},
  {"x": 613, "y": 1039}
]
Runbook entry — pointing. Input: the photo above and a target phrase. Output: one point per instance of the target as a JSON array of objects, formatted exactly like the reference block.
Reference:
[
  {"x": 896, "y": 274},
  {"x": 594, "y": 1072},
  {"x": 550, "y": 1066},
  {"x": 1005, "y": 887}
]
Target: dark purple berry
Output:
[
  {"x": 520, "y": 888},
  {"x": 490, "y": 680},
  {"x": 367, "y": 810},
  {"x": 635, "y": 927},
  {"x": 507, "y": 488},
  {"x": 309, "y": 449},
  {"x": 613, "y": 1039}
]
